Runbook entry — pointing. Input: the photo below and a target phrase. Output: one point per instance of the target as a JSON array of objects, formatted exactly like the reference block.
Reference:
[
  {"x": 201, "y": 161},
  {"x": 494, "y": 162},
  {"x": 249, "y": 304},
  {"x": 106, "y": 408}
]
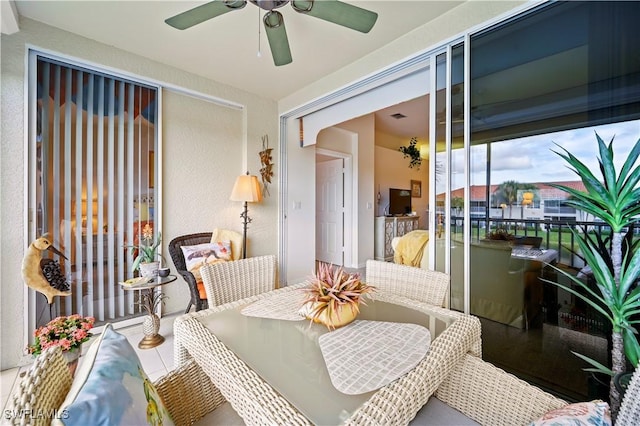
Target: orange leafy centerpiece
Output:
[{"x": 334, "y": 296}]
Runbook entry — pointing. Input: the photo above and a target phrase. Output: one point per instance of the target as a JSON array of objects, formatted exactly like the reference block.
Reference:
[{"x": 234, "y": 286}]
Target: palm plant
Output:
[{"x": 615, "y": 201}]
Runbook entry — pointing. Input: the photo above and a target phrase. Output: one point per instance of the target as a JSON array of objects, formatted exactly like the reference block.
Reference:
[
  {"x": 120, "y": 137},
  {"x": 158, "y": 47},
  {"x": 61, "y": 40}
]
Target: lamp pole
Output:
[{"x": 246, "y": 220}]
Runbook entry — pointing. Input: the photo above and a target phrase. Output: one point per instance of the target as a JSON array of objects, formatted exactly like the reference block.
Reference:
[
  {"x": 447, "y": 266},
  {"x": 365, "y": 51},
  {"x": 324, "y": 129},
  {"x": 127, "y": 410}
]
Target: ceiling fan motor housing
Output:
[{"x": 269, "y": 4}]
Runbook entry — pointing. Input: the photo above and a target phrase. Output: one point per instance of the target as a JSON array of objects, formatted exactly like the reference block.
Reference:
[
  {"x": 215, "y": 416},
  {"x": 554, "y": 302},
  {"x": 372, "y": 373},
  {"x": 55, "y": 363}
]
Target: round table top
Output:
[{"x": 155, "y": 282}]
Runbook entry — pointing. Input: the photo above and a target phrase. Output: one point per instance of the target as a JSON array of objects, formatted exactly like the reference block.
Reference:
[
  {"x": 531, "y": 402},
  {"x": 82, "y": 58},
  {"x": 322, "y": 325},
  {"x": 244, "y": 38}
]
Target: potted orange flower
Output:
[{"x": 146, "y": 252}]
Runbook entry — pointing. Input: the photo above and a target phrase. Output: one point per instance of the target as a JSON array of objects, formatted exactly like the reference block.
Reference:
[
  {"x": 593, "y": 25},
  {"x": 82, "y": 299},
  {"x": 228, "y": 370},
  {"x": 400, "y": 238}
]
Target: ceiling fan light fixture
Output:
[
  {"x": 302, "y": 6},
  {"x": 235, "y": 4},
  {"x": 269, "y": 4},
  {"x": 273, "y": 19}
]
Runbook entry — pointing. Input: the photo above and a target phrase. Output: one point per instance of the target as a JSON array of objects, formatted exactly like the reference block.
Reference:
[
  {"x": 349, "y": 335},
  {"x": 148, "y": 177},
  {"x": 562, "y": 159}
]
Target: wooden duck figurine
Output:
[{"x": 44, "y": 275}]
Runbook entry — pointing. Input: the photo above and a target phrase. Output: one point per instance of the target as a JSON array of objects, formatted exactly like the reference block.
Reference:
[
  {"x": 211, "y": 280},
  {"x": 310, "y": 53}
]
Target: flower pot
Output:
[
  {"x": 621, "y": 382},
  {"x": 149, "y": 270},
  {"x": 337, "y": 318},
  {"x": 72, "y": 356}
]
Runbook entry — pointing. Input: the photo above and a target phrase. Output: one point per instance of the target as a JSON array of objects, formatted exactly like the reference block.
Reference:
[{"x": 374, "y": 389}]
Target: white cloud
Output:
[{"x": 532, "y": 159}]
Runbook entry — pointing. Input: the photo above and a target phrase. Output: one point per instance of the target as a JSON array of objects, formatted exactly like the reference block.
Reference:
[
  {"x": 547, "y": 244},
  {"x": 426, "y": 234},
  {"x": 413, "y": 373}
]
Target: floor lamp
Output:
[{"x": 246, "y": 189}]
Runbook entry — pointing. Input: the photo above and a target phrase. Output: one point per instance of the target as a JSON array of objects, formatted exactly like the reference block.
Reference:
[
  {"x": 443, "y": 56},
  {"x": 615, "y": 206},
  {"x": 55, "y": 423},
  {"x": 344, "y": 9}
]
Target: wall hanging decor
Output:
[
  {"x": 416, "y": 188},
  {"x": 412, "y": 152},
  {"x": 266, "y": 171}
]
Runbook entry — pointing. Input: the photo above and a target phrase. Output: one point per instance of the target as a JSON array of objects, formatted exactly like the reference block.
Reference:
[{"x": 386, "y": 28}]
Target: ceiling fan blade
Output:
[
  {"x": 277, "y": 36},
  {"x": 204, "y": 12},
  {"x": 338, "y": 12}
]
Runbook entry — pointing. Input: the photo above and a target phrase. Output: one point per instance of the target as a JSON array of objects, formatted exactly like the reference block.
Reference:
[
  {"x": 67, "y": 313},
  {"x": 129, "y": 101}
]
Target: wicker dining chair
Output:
[
  {"x": 230, "y": 281},
  {"x": 175, "y": 250},
  {"x": 416, "y": 283},
  {"x": 187, "y": 392}
]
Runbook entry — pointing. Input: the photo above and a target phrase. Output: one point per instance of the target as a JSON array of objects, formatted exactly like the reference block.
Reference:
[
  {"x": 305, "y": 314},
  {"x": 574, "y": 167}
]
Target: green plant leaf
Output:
[
  {"x": 631, "y": 346},
  {"x": 595, "y": 303},
  {"x": 592, "y": 184},
  {"x": 614, "y": 200},
  {"x": 600, "y": 269},
  {"x": 606, "y": 165},
  {"x": 629, "y": 162},
  {"x": 598, "y": 368},
  {"x": 629, "y": 273}
]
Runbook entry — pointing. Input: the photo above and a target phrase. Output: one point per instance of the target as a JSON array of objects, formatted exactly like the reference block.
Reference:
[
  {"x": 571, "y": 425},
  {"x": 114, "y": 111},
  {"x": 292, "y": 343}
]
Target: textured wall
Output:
[{"x": 205, "y": 147}]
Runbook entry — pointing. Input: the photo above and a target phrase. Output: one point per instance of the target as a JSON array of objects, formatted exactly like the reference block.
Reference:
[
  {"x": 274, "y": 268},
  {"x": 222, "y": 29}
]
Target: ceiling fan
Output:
[{"x": 334, "y": 11}]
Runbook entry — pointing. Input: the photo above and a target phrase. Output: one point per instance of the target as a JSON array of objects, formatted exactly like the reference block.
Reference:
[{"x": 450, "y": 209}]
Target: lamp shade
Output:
[
  {"x": 424, "y": 151},
  {"x": 246, "y": 188}
]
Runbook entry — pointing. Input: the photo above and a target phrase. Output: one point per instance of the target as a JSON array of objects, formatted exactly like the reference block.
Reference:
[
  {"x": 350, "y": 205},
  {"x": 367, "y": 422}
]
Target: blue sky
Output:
[{"x": 531, "y": 159}]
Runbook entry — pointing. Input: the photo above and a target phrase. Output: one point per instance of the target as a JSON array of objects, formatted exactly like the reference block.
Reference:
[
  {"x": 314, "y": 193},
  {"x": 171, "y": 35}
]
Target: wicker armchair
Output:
[
  {"x": 187, "y": 393},
  {"x": 175, "y": 250},
  {"x": 629, "y": 413},
  {"x": 230, "y": 281},
  {"x": 490, "y": 396},
  {"x": 427, "y": 286}
]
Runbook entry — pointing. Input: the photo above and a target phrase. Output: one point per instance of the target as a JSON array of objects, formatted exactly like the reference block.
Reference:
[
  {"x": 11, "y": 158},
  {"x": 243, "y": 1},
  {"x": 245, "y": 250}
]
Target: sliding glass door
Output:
[{"x": 541, "y": 82}]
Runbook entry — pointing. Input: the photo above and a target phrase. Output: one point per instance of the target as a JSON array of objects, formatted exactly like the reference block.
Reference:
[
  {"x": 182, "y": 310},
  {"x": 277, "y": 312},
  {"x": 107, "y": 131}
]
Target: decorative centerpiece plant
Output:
[
  {"x": 333, "y": 296},
  {"x": 67, "y": 332},
  {"x": 614, "y": 199},
  {"x": 412, "y": 152}
]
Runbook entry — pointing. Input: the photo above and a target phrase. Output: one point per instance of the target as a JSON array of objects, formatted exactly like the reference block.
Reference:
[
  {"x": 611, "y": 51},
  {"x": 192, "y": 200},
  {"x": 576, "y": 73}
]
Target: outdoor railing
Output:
[{"x": 556, "y": 234}]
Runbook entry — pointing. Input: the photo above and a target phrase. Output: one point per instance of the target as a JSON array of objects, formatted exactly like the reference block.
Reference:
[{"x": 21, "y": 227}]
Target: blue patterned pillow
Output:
[
  {"x": 594, "y": 413},
  {"x": 110, "y": 388}
]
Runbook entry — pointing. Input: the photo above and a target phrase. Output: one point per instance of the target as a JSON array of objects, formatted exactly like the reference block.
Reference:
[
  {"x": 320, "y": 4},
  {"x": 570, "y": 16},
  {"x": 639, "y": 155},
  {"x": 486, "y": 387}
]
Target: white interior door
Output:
[{"x": 330, "y": 211}]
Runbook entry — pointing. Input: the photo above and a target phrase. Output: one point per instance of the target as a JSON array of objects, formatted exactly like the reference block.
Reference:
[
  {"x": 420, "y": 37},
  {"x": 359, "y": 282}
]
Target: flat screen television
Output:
[{"x": 399, "y": 201}]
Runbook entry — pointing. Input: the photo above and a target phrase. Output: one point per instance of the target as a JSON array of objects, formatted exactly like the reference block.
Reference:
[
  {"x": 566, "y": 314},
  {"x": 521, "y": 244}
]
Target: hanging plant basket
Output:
[{"x": 413, "y": 153}]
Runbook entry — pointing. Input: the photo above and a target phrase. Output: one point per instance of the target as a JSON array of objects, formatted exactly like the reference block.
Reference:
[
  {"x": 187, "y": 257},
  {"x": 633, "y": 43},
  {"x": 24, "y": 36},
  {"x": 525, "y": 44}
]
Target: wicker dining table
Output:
[{"x": 272, "y": 371}]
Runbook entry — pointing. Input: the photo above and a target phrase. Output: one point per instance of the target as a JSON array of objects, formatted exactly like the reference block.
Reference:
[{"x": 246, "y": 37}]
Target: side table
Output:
[{"x": 149, "y": 299}]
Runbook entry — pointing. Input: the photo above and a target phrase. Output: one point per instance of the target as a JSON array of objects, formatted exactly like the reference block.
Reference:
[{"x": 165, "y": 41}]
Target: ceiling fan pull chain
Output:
[{"x": 259, "y": 35}]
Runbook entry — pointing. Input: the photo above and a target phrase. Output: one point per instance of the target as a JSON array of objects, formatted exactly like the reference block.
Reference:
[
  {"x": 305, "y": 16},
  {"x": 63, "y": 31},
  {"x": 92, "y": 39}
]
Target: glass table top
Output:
[{"x": 286, "y": 354}]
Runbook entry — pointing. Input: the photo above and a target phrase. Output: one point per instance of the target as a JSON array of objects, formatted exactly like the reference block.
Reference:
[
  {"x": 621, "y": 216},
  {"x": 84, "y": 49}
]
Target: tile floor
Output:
[{"x": 156, "y": 362}]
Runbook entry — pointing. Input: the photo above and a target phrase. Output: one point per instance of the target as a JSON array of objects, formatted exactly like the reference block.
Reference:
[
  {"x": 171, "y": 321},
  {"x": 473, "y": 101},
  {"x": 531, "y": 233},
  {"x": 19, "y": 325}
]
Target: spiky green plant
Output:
[
  {"x": 147, "y": 250},
  {"x": 614, "y": 199},
  {"x": 330, "y": 288}
]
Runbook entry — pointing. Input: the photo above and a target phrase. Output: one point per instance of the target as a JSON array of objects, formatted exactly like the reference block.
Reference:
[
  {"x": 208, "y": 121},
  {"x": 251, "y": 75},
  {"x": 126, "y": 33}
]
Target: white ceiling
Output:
[
  {"x": 225, "y": 48},
  {"x": 414, "y": 123}
]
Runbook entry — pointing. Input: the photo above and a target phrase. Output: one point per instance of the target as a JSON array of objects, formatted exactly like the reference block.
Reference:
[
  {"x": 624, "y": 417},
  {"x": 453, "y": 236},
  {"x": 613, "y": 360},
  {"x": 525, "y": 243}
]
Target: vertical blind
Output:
[{"x": 94, "y": 142}]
